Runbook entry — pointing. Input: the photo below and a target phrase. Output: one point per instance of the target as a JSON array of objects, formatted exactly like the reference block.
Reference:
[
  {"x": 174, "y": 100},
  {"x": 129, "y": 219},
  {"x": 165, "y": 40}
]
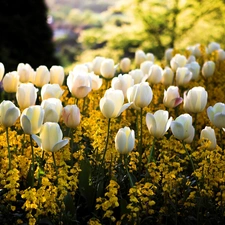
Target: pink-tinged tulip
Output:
[
  {"x": 168, "y": 55},
  {"x": 111, "y": 105},
  {"x": 9, "y": 113},
  {"x": 96, "y": 81},
  {"x": 139, "y": 57},
  {"x": 51, "y": 91},
  {"x": 2, "y": 70},
  {"x": 182, "y": 128},
  {"x": 178, "y": 61},
  {"x": 53, "y": 109},
  {"x": 208, "y": 69},
  {"x": 108, "y": 68},
  {"x": 213, "y": 46},
  {"x": 79, "y": 84},
  {"x": 42, "y": 76},
  {"x": 137, "y": 75},
  {"x": 26, "y": 72},
  {"x": 216, "y": 114},
  {"x": 96, "y": 64},
  {"x": 145, "y": 67},
  {"x": 194, "y": 67},
  {"x": 11, "y": 82},
  {"x": 158, "y": 123},
  {"x": 57, "y": 75},
  {"x": 172, "y": 97},
  {"x": 195, "y": 100},
  {"x": 209, "y": 134},
  {"x": 150, "y": 57},
  {"x": 183, "y": 76},
  {"x": 50, "y": 137},
  {"x": 32, "y": 119},
  {"x": 26, "y": 95},
  {"x": 155, "y": 74},
  {"x": 221, "y": 55},
  {"x": 167, "y": 76},
  {"x": 140, "y": 95},
  {"x": 125, "y": 65},
  {"x": 71, "y": 116},
  {"x": 122, "y": 82},
  {"x": 125, "y": 140}
]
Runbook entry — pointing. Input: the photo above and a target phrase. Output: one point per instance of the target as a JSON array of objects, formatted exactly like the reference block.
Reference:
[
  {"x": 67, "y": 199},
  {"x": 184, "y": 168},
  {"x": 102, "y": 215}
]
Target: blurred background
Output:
[{"x": 64, "y": 32}]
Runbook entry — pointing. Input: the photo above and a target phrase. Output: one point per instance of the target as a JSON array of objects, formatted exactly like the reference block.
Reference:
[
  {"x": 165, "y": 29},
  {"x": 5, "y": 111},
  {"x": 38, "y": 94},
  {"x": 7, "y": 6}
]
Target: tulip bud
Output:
[
  {"x": 125, "y": 65},
  {"x": 194, "y": 67},
  {"x": 221, "y": 55},
  {"x": 71, "y": 116},
  {"x": 57, "y": 75},
  {"x": 208, "y": 69},
  {"x": 96, "y": 81},
  {"x": 213, "y": 46},
  {"x": 125, "y": 140},
  {"x": 140, "y": 95},
  {"x": 139, "y": 57},
  {"x": 31, "y": 119},
  {"x": 2, "y": 70},
  {"x": 209, "y": 133},
  {"x": 145, "y": 67},
  {"x": 51, "y": 91},
  {"x": 183, "y": 76},
  {"x": 96, "y": 64},
  {"x": 107, "y": 68},
  {"x": 178, "y": 61},
  {"x": 9, "y": 113},
  {"x": 50, "y": 137},
  {"x": 169, "y": 55},
  {"x": 195, "y": 100},
  {"x": 155, "y": 74},
  {"x": 150, "y": 57},
  {"x": 111, "y": 105},
  {"x": 182, "y": 128},
  {"x": 53, "y": 109},
  {"x": 26, "y": 95},
  {"x": 122, "y": 82},
  {"x": 11, "y": 82},
  {"x": 137, "y": 75},
  {"x": 216, "y": 114},
  {"x": 167, "y": 76},
  {"x": 42, "y": 76},
  {"x": 172, "y": 97},
  {"x": 25, "y": 72},
  {"x": 158, "y": 123}
]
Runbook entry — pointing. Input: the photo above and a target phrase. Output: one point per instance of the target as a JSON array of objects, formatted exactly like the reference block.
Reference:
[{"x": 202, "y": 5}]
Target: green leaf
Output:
[{"x": 68, "y": 200}]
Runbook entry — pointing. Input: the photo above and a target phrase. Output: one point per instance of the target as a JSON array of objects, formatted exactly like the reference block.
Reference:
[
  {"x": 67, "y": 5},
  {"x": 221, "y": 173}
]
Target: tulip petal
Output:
[
  {"x": 124, "y": 107},
  {"x": 37, "y": 139},
  {"x": 151, "y": 123},
  {"x": 120, "y": 142},
  {"x": 59, "y": 145},
  {"x": 12, "y": 115},
  {"x": 107, "y": 107},
  {"x": 26, "y": 124},
  {"x": 178, "y": 130}
]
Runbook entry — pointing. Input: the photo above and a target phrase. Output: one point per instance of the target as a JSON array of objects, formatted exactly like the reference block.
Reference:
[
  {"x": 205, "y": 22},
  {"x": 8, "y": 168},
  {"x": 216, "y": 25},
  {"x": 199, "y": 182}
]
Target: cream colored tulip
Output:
[
  {"x": 167, "y": 76},
  {"x": 71, "y": 116},
  {"x": 111, "y": 105},
  {"x": 216, "y": 114},
  {"x": 51, "y": 91},
  {"x": 194, "y": 67},
  {"x": 57, "y": 75},
  {"x": 209, "y": 134},
  {"x": 213, "y": 46},
  {"x": 221, "y": 55},
  {"x": 195, "y": 100},
  {"x": 208, "y": 69},
  {"x": 9, "y": 113},
  {"x": 137, "y": 75},
  {"x": 172, "y": 97},
  {"x": 96, "y": 81},
  {"x": 150, "y": 57},
  {"x": 139, "y": 57},
  {"x": 2, "y": 70},
  {"x": 125, "y": 140},
  {"x": 178, "y": 61},
  {"x": 168, "y": 54},
  {"x": 79, "y": 84},
  {"x": 122, "y": 82},
  {"x": 182, "y": 128},
  {"x": 140, "y": 95},
  {"x": 50, "y": 137},
  {"x": 158, "y": 123},
  {"x": 26, "y": 95},
  {"x": 145, "y": 67},
  {"x": 53, "y": 109},
  {"x": 25, "y": 72},
  {"x": 125, "y": 65},
  {"x": 96, "y": 64},
  {"x": 183, "y": 76},
  {"x": 108, "y": 68},
  {"x": 11, "y": 82},
  {"x": 155, "y": 74},
  {"x": 32, "y": 119},
  {"x": 42, "y": 76}
]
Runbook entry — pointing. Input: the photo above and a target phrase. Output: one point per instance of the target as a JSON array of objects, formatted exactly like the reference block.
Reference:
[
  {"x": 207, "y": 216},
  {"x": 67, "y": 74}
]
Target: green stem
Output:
[
  {"x": 140, "y": 140},
  {"x": 9, "y": 152},
  {"x": 106, "y": 144},
  {"x": 221, "y": 138},
  {"x": 32, "y": 164},
  {"x": 128, "y": 174},
  {"x": 152, "y": 153},
  {"x": 56, "y": 169}
]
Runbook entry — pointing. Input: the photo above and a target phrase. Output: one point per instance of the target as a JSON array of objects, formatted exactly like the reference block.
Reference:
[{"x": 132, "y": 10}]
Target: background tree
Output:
[{"x": 25, "y": 35}]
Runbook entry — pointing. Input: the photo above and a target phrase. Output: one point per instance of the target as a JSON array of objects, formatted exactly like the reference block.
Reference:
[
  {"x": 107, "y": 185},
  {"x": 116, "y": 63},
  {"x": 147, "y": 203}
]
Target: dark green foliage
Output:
[{"x": 25, "y": 35}]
